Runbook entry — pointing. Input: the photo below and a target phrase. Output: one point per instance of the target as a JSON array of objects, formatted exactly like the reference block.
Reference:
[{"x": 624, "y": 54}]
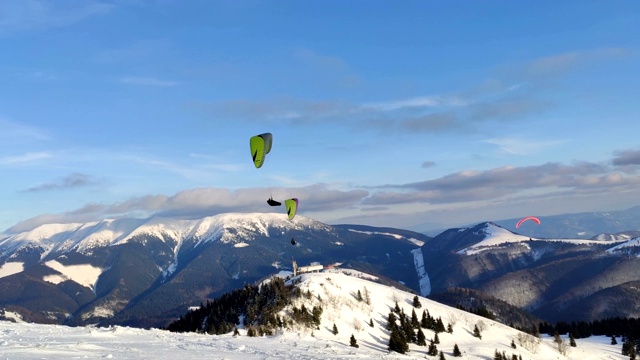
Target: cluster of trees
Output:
[
  {"x": 259, "y": 305},
  {"x": 409, "y": 330},
  {"x": 503, "y": 356},
  {"x": 480, "y": 310},
  {"x": 627, "y": 328}
]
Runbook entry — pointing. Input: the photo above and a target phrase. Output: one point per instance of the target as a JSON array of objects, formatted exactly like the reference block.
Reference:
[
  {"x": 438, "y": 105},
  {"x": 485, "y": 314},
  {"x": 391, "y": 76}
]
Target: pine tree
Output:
[
  {"x": 397, "y": 342},
  {"x": 613, "y": 340},
  {"x": 424, "y": 323},
  {"x": 449, "y": 329},
  {"x": 397, "y": 308},
  {"x": 476, "y": 332},
  {"x": 456, "y": 351},
  {"x": 436, "y": 339},
  {"x": 442, "y": 356},
  {"x": 572, "y": 340},
  {"x": 371, "y": 322},
  {"x": 497, "y": 355},
  {"x": 391, "y": 324},
  {"x": 359, "y": 296},
  {"x": 236, "y": 332},
  {"x": 433, "y": 349},
  {"x": 422, "y": 340},
  {"x": 414, "y": 319},
  {"x": 335, "y": 329},
  {"x": 353, "y": 342},
  {"x": 416, "y": 302},
  {"x": 513, "y": 344}
]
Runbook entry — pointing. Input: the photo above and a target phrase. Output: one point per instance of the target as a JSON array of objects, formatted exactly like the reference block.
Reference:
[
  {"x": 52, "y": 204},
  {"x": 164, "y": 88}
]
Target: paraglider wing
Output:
[
  {"x": 260, "y": 146},
  {"x": 533, "y": 218},
  {"x": 273, "y": 202},
  {"x": 292, "y": 207}
]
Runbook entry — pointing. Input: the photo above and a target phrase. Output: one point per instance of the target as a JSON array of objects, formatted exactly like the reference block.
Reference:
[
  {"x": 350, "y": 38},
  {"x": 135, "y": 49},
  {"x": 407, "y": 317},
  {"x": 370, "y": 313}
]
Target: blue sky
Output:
[{"x": 413, "y": 114}]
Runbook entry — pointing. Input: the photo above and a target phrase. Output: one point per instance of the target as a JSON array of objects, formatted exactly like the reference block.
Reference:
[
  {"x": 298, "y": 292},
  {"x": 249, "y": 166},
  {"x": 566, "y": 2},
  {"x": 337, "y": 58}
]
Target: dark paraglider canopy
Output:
[
  {"x": 273, "y": 202},
  {"x": 293, "y": 241}
]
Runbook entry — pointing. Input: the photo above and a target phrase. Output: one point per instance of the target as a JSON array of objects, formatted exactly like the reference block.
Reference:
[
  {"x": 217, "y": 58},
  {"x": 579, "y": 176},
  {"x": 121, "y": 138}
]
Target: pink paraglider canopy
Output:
[{"x": 528, "y": 218}]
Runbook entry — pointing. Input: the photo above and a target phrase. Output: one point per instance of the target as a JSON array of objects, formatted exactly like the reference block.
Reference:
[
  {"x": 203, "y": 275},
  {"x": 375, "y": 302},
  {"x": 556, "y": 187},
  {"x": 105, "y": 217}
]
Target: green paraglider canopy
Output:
[
  {"x": 292, "y": 207},
  {"x": 260, "y": 146}
]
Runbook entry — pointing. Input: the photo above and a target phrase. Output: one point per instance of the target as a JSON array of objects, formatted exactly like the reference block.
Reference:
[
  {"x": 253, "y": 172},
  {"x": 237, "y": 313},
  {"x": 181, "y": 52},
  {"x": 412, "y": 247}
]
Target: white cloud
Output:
[{"x": 25, "y": 158}]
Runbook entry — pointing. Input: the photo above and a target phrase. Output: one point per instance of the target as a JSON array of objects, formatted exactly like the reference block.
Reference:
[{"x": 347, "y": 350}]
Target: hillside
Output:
[{"x": 335, "y": 292}]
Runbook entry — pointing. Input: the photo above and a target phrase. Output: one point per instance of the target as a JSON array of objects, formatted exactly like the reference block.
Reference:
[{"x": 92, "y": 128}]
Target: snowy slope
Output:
[
  {"x": 627, "y": 245},
  {"x": 340, "y": 307},
  {"x": 495, "y": 236}
]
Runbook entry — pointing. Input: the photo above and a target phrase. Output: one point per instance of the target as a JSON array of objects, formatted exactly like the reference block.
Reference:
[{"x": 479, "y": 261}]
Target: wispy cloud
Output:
[
  {"x": 146, "y": 81},
  {"x": 523, "y": 146},
  {"x": 428, "y": 164},
  {"x": 22, "y": 15},
  {"x": 507, "y": 182},
  {"x": 71, "y": 181},
  {"x": 25, "y": 159},
  {"x": 16, "y": 132},
  {"x": 561, "y": 64}
]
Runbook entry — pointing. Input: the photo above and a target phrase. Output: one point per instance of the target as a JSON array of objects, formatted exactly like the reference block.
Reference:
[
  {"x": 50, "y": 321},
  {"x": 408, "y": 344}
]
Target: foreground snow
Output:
[{"x": 336, "y": 292}]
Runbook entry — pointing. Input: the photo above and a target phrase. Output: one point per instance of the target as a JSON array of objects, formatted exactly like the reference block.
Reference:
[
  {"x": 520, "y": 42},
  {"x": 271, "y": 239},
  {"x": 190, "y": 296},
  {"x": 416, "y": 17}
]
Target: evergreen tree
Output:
[
  {"x": 236, "y": 332},
  {"x": 359, "y": 296},
  {"x": 416, "y": 302},
  {"x": 514, "y": 357},
  {"x": 422, "y": 340},
  {"x": 572, "y": 340},
  {"x": 442, "y": 356},
  {"x": 251, "y": 331},
  {"x": 439, "y": 326},
  {"x": 353, "y": 342},
  {"x": 456, "y": 351},
  {"x": 497, "y": 355},
  {"x": 436, "y": 339},
  {"x": 391, "y": 321},
  {"x": 397, "y": 308},
  {"x": 414, "y": 319},
  {"x": 476, "y": 332},
  {"x": 335, "y": 329},
  {"x": 513, "y": 344},
  {"x": 449, "y": 329},
  {"x": 424, "y": 323},
  {"x": 371, "y": 322},
  {"x": 613, "y": 340},
  {"x": 433, "y": 349},
  {"x": 397, "y": 342}
]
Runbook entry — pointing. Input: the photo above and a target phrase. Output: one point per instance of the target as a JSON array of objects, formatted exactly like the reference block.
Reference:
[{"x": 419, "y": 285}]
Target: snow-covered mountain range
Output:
[
  {"x": 146, "y": 271},
  {"x": 333, "y": 290}
]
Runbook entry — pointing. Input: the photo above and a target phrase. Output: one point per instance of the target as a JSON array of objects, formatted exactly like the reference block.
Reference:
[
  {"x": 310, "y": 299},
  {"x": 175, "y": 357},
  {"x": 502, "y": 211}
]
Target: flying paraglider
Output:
[
  {"x": 260, "y": 146},
  {"x": 273, "y": 202},
  {"x": 293, "y": 241},
  {"x": 292, "y": 207},
  {"x": 532, "y": 218}
]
